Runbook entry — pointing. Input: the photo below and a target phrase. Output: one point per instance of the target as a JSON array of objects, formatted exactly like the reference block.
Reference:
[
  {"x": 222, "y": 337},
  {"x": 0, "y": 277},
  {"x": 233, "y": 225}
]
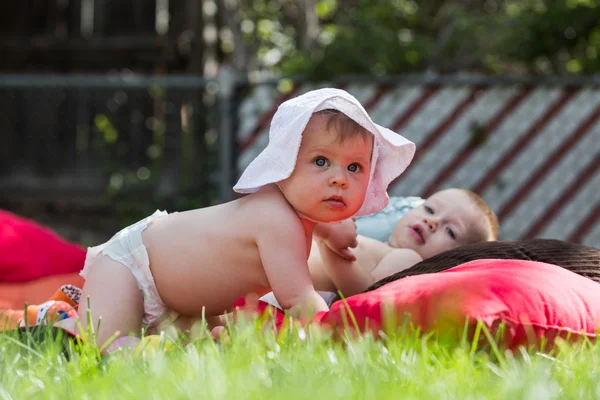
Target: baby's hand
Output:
[{"x": 340, "y": 238}]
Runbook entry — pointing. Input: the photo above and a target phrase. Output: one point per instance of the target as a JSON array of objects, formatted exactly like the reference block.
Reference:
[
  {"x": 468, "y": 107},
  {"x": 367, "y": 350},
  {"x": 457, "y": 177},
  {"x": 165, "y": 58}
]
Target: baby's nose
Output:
[
  {"x": 339, "y": 181},
  {"x": 432, "y": 224}
]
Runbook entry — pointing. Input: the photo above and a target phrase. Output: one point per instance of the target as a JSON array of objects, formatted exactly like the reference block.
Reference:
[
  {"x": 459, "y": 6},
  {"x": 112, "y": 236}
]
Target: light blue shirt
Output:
[{"x": 381, "y": 224}]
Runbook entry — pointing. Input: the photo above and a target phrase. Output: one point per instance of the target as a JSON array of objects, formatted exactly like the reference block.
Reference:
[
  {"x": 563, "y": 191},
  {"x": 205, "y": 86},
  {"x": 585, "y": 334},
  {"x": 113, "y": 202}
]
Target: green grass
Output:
[{"x": 257, "y": 364}]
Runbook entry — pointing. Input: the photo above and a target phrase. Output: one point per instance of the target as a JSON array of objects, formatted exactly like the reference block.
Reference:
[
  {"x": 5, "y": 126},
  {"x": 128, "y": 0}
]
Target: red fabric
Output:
[
  {"x": 534, "y": 299},
  {"x": 29, "y": 251}
]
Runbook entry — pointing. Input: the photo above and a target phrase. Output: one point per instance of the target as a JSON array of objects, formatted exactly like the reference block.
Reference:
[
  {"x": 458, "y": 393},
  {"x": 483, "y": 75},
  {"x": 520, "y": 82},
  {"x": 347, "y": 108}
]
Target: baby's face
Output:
[
  {"x": 330, "y": 178},
  {"x": 446, "y": 220}
]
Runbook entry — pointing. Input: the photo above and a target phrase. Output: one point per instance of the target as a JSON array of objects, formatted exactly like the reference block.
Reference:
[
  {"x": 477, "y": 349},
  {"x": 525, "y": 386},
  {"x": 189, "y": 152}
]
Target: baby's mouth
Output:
[
  {"x": 336, "y": 202},
  {"x": 417, "y": 233}
]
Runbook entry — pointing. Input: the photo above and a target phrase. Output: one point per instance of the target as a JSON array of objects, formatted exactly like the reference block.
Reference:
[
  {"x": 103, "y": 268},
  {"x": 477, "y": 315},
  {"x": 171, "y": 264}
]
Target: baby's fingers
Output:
[
  {"x": 220, "y": 334},
  {"x": 347, "y": 254}
]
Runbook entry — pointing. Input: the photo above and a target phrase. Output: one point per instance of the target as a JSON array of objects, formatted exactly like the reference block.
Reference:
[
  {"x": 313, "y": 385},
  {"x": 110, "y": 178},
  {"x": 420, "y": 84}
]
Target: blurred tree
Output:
[
  {"x": 320, "y": 38},
  {"x": 323, "y": 38}
]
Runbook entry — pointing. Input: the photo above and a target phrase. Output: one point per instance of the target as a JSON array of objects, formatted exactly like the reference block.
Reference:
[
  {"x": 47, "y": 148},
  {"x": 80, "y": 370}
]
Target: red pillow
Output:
[
  {"x": 29, "y": 251},
  {"x": 533, "y": 299}
]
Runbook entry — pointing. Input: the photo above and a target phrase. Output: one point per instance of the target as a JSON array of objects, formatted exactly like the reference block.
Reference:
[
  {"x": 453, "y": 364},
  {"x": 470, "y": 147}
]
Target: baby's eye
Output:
[
  {"x": 320, "y": 161},
  {"x": 354, "y": 167},
  {"x": 451, "y": 233},
  {"x": 428, "y": 209}
]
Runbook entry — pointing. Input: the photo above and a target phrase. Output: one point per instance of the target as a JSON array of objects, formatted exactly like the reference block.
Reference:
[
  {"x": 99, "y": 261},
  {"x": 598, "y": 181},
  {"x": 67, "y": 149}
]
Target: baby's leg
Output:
[
  {"x": 114, "y": 296},
  {"x": 190, "y": 324}
]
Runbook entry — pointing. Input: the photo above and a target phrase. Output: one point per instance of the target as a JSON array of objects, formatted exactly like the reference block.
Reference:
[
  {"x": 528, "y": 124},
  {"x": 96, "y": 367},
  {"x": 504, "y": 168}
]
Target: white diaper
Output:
[
  {"x": 329, "y": 297},
  {"x": 127, "y": 248}
]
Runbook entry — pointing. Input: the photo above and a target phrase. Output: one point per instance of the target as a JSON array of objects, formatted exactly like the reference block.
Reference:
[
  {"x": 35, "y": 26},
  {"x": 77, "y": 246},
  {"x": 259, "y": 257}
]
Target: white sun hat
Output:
[{"x": 392, "y": 153}]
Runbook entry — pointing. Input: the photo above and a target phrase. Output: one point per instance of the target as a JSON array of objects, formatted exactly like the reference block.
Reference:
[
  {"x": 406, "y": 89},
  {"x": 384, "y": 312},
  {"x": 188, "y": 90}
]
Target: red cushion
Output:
[
  {"x": 534, "y": 299},
  {"x": 29, "y": 251}
]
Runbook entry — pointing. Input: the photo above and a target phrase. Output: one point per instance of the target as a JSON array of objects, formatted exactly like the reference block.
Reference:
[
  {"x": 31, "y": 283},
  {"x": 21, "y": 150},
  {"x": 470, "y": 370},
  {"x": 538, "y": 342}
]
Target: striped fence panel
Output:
[{"x": 531, "y": 150}]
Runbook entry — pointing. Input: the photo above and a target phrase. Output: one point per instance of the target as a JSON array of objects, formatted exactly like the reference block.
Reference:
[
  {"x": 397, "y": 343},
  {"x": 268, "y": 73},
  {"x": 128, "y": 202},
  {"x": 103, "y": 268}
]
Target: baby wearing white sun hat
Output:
[
  {"x": 392, "y": 153},
  {"x": 326, "y": 161}
]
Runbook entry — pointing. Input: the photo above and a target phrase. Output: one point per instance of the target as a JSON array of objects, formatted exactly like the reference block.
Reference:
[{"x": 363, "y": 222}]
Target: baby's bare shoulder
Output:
[
  {"x": 406, "y": 255},
  {"x": 395, "y": 261},
  {"x": 268, "y": 209},
  {"x": 373, "y": 246}
]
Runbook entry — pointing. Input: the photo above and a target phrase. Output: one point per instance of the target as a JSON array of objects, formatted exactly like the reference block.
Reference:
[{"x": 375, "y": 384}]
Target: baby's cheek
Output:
[
  {"x": 361, "y": 192},
  {"x": 438, "y": 245},
  {"x": 362, "y": 182},
  {"x": 450, "y": 244}
]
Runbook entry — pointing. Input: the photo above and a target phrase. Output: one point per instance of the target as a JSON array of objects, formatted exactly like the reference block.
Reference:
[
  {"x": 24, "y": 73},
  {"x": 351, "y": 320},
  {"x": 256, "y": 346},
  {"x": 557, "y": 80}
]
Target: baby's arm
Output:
[
  {"x": 352, "y": 277},
  {"x": 349, "y": 277},
  {"x": 338, "y": 237},
  {"x": 283, "y": 251}
]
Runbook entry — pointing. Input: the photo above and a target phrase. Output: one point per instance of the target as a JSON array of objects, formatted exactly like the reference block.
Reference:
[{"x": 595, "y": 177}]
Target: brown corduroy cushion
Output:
[{"x": 580, "y": 259}]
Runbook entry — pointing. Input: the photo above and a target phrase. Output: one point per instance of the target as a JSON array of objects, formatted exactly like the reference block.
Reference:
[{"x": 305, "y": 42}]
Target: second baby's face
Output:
[{"x": 446, "y": 220}]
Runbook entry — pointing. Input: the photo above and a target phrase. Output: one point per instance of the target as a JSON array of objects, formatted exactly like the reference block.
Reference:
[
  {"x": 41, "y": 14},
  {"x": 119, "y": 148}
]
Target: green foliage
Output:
[
  {"x": 519, "y": 37},
  {"x": 133, "y": 184}
]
